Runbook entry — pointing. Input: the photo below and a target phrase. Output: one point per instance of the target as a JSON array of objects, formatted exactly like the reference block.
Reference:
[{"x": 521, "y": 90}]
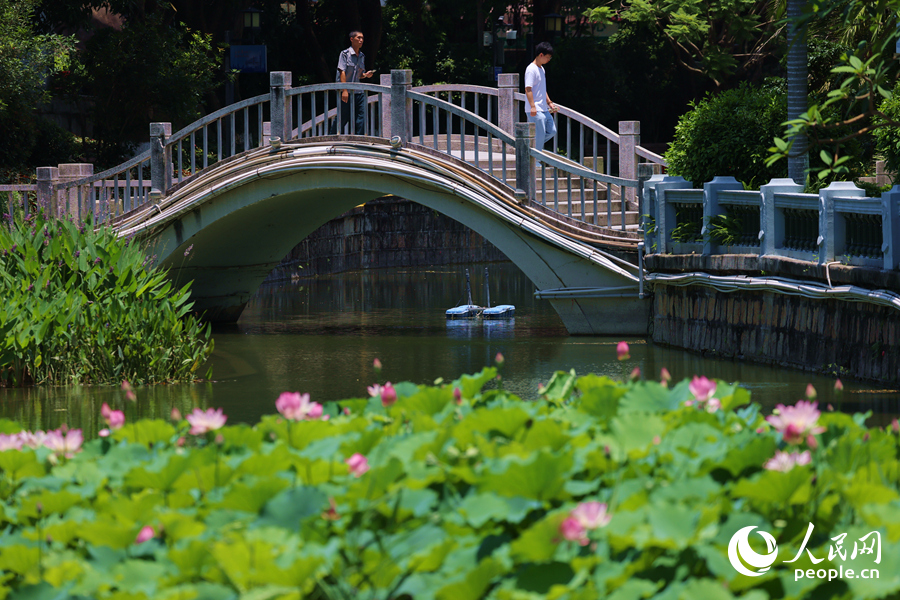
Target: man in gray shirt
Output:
[{"x": 351, "y": 69}]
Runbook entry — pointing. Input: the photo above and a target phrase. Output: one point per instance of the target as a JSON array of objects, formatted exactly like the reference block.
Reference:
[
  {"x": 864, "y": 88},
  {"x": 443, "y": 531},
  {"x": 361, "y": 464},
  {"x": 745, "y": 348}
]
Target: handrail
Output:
[
  {"x": 553, "y": 160},
  {"x": 133, "y": 162},
  {"x": 327, "y": 87},
  {"x": 457, "y": 87},
  {"x": 471, "y": 117},
  {"x": 215, "y": 116}
]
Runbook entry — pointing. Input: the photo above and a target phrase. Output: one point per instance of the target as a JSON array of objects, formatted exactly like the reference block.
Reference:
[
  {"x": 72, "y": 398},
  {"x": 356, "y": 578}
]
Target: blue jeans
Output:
[{"x": 544, "y": 128}]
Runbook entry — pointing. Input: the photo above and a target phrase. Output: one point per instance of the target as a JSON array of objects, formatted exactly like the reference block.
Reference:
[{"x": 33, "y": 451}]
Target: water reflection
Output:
[{"x": 322, "y": 335}]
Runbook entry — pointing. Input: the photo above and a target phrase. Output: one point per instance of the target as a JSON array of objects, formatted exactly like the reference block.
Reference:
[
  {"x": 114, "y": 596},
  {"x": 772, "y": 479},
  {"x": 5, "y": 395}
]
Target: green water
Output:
[{"x": 321, "y": 336}]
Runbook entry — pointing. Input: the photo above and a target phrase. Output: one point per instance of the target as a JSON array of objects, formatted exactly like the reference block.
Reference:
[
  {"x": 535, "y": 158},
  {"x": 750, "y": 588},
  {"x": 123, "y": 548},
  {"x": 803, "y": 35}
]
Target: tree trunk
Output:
[{"x": 798, "y": 159}]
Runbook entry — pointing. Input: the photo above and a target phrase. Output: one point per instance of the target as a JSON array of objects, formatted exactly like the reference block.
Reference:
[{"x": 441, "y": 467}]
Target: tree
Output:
[
  {"x": 862, "y": 79},
  {"x": 27, "y": 60}
]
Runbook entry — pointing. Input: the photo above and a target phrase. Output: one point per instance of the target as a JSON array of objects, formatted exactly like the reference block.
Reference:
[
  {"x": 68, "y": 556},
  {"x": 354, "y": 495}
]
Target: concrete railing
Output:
[
  {"x": 480, "y": 116},
  {"x": 839, "y": 224}
]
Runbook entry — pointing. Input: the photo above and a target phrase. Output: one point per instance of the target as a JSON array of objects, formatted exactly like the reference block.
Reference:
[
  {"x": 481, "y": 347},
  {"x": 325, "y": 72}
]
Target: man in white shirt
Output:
[
  {"x": 351, "y": 69},
  {"x": 540, "y": 107}
]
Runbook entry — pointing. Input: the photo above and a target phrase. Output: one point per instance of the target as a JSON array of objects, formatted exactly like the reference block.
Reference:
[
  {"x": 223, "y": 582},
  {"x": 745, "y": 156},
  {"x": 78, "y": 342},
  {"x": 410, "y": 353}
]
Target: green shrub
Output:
[
  {"x": 887, "y": 138},
  {"x": 598, "y": 489},
  {"x": 730, "y": 134},
  {"x": 79, "y": 306}
]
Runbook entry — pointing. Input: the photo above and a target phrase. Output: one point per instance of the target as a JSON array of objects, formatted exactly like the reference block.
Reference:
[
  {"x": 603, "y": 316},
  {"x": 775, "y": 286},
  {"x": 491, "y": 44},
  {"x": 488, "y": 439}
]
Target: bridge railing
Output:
[
  {"x": 838, "y": 224},
  {"x": 317, "y": 109}
]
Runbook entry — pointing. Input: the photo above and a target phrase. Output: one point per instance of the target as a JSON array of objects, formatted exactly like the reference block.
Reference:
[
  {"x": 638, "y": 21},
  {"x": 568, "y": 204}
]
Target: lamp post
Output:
[
  {"x": 553, "y": 24},
  {"x": 251, "y": 18}
]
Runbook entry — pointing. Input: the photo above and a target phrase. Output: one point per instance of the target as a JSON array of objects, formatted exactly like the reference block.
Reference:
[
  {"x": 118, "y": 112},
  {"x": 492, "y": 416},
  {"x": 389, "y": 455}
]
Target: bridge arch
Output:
[{"x": 227, "y": 230}]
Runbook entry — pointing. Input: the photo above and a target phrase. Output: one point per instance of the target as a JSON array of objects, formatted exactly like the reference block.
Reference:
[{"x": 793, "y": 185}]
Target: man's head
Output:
[
  {"x": 356, "y": 40},
  {"x": 543, "y": 52}
]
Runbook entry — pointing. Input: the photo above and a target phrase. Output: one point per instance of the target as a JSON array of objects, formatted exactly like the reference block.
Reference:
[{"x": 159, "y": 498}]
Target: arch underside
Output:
[{"x": 227, "y": 237}]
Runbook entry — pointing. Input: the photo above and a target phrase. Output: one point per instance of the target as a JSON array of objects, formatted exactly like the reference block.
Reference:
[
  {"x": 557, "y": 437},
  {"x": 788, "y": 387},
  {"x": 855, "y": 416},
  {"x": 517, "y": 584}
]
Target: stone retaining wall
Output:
[
  {"x": 853, "y": 339},
  {"x": 387, "y": 232}
]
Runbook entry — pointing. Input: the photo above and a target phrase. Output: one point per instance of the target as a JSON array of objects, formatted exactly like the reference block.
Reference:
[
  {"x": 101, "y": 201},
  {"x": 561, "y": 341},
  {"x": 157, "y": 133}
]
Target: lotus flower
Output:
[
  {"x": 796, "y": 422},
  {"x": 838, "y": 386},
  {"x": 64, "y": 444},
  {"x": 114, "y": 418},
  {"x": 146, "y": 533},
  {"x": 622, "y": 351},
  {"x": 129, "y": 392},
  {"x": 32, "y": 440},
  {"x": 175, "y": 415},
  {"x": 784, "y": 461},
  {"x": 388, "y": 395},
  {"x": 209, "y": 420},
  {"x": 591, "y": 515},
  {"x": 295, "y": 406},
  {"x": 376, "y": 364},
  {"x": 499, "y": 359},
  {"x": 457, "y": 395},
  {"x": 702, "y": 388},
  {"x": 665, "y": 378},
  {"x": 374, "y": 390},
  {"x": 10, "y": 442},
  {"x": 358, "y": 464},
  {"x": 573, "y": 531},
  {"x": 810, "y": 392}
]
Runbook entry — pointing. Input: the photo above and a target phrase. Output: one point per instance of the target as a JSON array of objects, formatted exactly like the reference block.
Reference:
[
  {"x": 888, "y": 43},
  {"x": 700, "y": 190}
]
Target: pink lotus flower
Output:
[
  {"x": 388, "y": 395},
  {"x": 376, "y": 364},
  {"x": 702, "y": 388},
  {"x": 573, "y": 531},
  {"x": 838, "y": 386},
  {"x": 104, "y": 432},
  {"x": 665, "y": 378},
  {"x": 796, "y": 422},
  {"x": 114, "y": 418},
  {"x": 175, "y": 415},
  {"x": 295, "y": 406},
  {"x": 635, "y": 374},
  {"x": 10, "y": 442},
  {"x": 499, "y": 359},
  {"x": 784, "y": 461},
  {"x": 129, "y": 392},
  {"x": 713, "y": 405},
  {"x": 622, "y": 351},
  {"x": 810, "y": 392},
  {"x": 146, "y": 533},
  {"x": 374, "y": 390},
  {"x": 64, "y": 444},
  {"x": 457, "y": 395},
  {"x": 32, "y": 440},
  {"x": 209, "y": 420},
  {"x": 591, "y": 515},
  {"x": 358, "y": 464}
]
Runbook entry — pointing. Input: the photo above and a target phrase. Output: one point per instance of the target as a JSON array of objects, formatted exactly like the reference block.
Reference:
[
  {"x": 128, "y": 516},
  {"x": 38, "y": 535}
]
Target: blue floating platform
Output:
[
  {"x": 466, "y": 311},
  {"x": 503, "y": 311}
]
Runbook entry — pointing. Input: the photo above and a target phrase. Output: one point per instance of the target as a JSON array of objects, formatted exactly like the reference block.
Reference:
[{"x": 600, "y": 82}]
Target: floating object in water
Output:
[
  {"x": 501, "y": 311},
  {"x": 466, "y": 311}
]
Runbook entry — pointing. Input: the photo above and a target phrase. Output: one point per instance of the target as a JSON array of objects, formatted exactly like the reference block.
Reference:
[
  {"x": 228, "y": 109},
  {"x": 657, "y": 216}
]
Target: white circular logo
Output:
[{"x": 740, "y": 552}]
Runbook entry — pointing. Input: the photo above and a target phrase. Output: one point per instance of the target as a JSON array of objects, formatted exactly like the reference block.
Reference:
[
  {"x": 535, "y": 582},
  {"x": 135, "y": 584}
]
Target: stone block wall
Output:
[
  {"x": 853, "y": 339},
  {"x": 387, "y": 232}
]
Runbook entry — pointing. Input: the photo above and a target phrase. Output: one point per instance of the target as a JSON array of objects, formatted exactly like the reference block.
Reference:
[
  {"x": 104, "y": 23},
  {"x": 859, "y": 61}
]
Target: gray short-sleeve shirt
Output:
[{"x": 354, "y": 65}]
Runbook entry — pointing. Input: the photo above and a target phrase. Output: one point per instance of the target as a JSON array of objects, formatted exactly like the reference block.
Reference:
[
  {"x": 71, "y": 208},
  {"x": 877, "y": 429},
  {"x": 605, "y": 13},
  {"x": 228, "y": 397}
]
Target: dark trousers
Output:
[{"x": 359, "y": 108}]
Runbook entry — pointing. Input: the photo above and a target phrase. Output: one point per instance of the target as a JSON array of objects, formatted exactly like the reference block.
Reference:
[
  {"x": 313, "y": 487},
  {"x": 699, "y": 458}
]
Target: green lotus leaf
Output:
[
  {"x": 751, "y": 455},
  {"x": 106, "y": 530},
  {"x": 471, "y": 385},
  {"x": 538, "y": 543},
  {"x": 489, "y": 423},
  {"x": 672, "y": 526},
  {"x": 475, "y": 582},
  {"x": 560, "y": 386},
  {"x": 540, "y": 478},
  {"x": 146, "y": 431},
  {"x": 251, "y": 497},
  {"x": 18, "y": 464},
  {"x": 21, "y": 560},
  {"x": 427, "y": 400},
  {"x": 51, "y": 503},
  {"x": 600, "y": 396},
  {"x": 776, "y": 487},
  {"x": 242, "y": 436},
  {"x": 648, "y": 396},
  {"x": 636, "y": 430},
  {"x": 292, "y": 505}
]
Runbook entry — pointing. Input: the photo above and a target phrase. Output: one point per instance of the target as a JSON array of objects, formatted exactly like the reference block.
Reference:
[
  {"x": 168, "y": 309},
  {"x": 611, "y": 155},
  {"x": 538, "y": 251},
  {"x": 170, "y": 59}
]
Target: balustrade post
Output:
[
  {"x": 71, "y": 172},
  {"x": 524, "y": 160},
  {"x": 47, "y": 177},
  {"x": 648, "y": 214},
  {"x": 508, "y": 84},
  {"x": 160, "y": 160},
  {"x": 629, "y": 140},
  {"x": 832, "y": 229},
  {"x": 890, "y": 228},
  {"x": 666, "y": 219},
  {"x": 401, "y": 104},
  {"x": 280, "y": 105},
  {"x": 712, "y": 209},
  {"x": 771, "y": 220},
  {"x": 385, "y": 80}
]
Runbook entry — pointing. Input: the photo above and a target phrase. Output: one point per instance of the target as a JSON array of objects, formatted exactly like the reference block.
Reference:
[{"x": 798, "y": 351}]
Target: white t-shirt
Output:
[{"x": 537, "y": 81}]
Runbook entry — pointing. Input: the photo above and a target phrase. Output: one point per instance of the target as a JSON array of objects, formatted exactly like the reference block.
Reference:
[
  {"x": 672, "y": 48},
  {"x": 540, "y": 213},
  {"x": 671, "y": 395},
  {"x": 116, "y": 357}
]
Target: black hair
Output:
[
  {"x": 543, "y": 48},
  {"x": 355, "y": 32}
]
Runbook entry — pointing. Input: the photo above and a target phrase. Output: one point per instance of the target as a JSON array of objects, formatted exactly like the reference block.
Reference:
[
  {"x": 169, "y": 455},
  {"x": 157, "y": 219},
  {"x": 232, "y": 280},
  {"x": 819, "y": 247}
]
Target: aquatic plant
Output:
[
  {"x": 81, "y": 306},
  {"x": 595, "y": 489}
]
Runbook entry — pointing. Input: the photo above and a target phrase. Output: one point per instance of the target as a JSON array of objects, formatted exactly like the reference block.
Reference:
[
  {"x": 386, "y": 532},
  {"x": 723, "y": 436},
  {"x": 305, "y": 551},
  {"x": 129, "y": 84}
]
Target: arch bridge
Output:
[{"x": 229, "y": 195}]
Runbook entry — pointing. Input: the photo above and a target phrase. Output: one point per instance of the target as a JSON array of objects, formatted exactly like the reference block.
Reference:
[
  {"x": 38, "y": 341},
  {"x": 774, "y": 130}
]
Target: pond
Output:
[{"x": 322, "y": 335}]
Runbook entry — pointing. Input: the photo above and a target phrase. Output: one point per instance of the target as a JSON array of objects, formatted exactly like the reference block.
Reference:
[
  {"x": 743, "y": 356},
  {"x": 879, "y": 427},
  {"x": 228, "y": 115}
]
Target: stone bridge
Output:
[{"x": 228, "y": 196}]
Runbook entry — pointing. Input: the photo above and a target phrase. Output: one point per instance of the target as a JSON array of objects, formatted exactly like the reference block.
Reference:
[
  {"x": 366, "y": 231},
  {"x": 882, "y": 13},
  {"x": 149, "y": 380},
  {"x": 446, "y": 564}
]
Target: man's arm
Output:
[
  {"x": 530, "y": 96},
  {"x": 345, "y": 95}
]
